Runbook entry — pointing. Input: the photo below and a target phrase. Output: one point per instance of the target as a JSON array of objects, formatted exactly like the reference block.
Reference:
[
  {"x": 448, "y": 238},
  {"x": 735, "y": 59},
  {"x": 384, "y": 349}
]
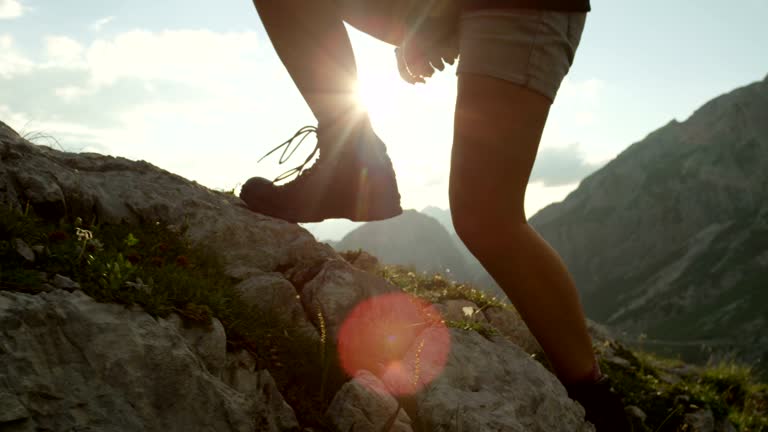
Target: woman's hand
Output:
[{"x": 429, "y": 45}]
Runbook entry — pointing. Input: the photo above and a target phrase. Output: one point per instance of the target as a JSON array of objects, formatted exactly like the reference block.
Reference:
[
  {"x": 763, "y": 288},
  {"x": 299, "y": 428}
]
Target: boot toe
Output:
[{"x": 256, "y": 190}]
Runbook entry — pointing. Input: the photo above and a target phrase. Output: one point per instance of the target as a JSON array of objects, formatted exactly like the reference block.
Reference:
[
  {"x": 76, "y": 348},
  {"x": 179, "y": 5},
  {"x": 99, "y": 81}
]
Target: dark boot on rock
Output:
[
  {"x": 352, "y": 179},
  {"x": 603, "y": 408}
]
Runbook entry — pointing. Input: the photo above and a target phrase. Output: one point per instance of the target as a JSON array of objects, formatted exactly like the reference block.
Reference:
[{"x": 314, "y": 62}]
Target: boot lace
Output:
[{"x": 289, "y": 148}]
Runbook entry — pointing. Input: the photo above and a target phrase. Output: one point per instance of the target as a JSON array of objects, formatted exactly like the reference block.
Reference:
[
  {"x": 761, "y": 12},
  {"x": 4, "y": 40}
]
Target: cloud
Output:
[
  {"x": 12, "y": 62},
  {"x": 10, "y": 9},
  {"x": 559, "y": 166},
  {"x": 64, "y": 52},
  {"x": 99, "y": 24},
  {"x": 196, "y": 57},
  {"x": 168, "y": 97}
]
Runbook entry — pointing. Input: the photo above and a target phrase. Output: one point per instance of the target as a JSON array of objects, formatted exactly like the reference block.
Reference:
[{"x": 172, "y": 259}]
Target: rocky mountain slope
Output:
[
  {"x": 670, "y": 239},
  {"x": 68, "y": 362},
  {"x": 134, "y": 300}
]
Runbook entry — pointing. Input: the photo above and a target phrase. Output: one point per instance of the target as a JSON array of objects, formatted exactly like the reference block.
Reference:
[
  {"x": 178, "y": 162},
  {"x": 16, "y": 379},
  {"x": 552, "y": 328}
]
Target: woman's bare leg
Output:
[
  {"x": 498, "y": 126},
  {"x": 311, "y": 41}
]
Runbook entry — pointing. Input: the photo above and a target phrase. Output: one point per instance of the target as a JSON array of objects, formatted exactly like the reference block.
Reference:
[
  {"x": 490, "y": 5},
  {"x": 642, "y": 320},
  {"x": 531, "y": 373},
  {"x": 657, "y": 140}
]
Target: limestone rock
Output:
[
  {"x": 634, "y": 412},
  {"x": 74, "y": 364},
  {"x": 115, "y": 189},
  {"x": 65, "y": 283},
  {"x": 275, "y": 298},
  {"x": 365, "y": 261},
  {"x": 363, "y": 404},
  {"x": 336, "y": 289},
  {"x": 700, "y": 421},
  {"x": 511, "y": 325},
  {"x": 495, "y": 386},
  {"x": 24, "y": 250},
  {"x": 240, "y": 373},
  {"x": 208, "y": 342}
]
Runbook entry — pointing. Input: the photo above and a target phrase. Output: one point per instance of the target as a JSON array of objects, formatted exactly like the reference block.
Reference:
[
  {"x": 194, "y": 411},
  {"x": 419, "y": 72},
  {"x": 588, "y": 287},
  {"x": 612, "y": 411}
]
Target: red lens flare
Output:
[{"x": 397, "y": 337}]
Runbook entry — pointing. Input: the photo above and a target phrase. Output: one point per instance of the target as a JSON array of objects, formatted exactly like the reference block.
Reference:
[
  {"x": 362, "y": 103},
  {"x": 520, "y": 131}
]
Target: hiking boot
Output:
[
  {"x": 602, "y": 406},
  {"x": 352, "y": 178}
]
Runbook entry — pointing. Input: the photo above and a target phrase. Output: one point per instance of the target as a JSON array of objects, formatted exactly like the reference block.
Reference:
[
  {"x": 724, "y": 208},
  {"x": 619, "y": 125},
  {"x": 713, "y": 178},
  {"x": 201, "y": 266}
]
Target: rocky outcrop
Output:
[{"x": 67, "y": 362}]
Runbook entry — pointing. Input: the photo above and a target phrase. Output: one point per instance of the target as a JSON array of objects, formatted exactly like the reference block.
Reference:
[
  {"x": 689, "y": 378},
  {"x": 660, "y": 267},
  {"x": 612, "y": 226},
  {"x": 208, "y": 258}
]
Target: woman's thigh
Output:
[
  {"x": 383, "y": 19},
  {"x": 497, "y": 129},
  {"x": 511, "y": 65}
]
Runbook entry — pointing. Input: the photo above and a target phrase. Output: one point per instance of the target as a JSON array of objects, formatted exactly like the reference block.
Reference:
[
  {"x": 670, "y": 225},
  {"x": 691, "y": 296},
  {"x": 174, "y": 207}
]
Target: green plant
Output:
[
  {"x": 483, "y": 329},
  {"x": 435, "y": 287}
]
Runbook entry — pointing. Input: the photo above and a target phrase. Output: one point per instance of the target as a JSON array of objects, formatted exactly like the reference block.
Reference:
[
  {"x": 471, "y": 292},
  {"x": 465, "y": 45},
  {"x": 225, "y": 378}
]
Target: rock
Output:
[
  {"x": 240, "y": 373},
  {"x": 39, "y": 250},
  {"x": 114, "y": 189},
  {"x": 208, "y": 342},
  {"x": 511, "y": 325},
  {"x": 366, "y": 262},
  {"x": 599, "y": 333},
  {"x": 276, "y": 299},
  {"x": 363, "y": 404},
  {"x": 617, "y": 361},
  {"x": 635, "y": 412},
  {"x": 460, "y": 310},
  {"x": 24, "y": 250},
  {"x": 65, "y": 283},
  {"x": 46, "y": 287},
  {"x": 724, "y": 425},
  {"x": 80, "y": 365},
  {"x": 11, "y": 409},
  {"x": 700, "y": 421},
  {"x": 494, "y": 386},
  {"x": 336, "y": 289}
]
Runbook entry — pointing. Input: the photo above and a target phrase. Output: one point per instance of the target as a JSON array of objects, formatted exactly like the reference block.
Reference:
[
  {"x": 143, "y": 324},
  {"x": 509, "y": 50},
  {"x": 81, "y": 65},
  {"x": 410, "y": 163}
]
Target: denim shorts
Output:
[{"x": 531, "y": 48}]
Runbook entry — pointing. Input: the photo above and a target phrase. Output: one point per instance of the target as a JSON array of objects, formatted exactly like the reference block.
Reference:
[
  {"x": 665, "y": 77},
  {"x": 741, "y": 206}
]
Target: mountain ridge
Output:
[{"x": 646, "y": 235}]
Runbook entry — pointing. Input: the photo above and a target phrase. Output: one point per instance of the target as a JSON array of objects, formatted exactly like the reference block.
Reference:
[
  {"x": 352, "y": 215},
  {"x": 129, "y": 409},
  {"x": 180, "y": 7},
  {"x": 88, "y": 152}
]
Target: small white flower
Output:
[
  {"x": 83, "y": 234},
  {"x": 468, "y": 311}
]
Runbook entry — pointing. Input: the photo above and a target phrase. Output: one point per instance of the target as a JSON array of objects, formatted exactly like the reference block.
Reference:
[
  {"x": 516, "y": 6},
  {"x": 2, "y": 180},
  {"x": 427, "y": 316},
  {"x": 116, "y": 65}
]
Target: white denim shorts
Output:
[{"x": 531, "y": 48}]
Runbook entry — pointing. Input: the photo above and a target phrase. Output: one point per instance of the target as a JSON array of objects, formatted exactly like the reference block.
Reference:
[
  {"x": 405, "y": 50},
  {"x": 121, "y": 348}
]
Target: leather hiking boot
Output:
[
  {"x": 352, "y": 178},
  {"x": 603, "y": 408}
]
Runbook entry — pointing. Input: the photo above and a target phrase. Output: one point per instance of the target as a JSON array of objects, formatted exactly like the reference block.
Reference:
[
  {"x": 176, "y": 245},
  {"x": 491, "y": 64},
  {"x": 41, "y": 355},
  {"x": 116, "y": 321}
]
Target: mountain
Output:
[
  {"x": 411, "y": 239},
  {"x": 476, "y": 273},
  {"x": 670, "y": 239},
  {"x": 441, "y": 215}
]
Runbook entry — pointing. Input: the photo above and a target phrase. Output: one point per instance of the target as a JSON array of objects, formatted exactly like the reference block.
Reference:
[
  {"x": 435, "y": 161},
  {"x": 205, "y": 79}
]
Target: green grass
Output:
[
  {"x": 729, "y": 389},
  {"x": 436, "y": 288}
]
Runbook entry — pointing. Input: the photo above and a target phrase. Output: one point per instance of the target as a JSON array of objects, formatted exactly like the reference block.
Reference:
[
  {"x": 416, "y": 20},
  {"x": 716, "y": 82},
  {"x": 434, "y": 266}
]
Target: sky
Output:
[{"x": 195, "y": 88}]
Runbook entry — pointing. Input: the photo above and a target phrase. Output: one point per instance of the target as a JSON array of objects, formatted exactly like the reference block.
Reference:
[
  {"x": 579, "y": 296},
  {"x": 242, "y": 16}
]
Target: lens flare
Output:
[{"x": 397, "y": 337}]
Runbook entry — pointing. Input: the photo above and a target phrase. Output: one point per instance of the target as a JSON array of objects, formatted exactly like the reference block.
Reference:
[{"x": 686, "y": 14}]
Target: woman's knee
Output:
[{"x": 484, "y": 227}]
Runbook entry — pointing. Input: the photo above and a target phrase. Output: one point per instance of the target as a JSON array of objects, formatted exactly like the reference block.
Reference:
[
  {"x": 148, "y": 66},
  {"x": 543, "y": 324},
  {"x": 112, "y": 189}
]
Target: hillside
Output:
[
  {"x": 411, "y": 239},
  {"x": 669, "y": 239},
  {"x": 132, "y": 299}
]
